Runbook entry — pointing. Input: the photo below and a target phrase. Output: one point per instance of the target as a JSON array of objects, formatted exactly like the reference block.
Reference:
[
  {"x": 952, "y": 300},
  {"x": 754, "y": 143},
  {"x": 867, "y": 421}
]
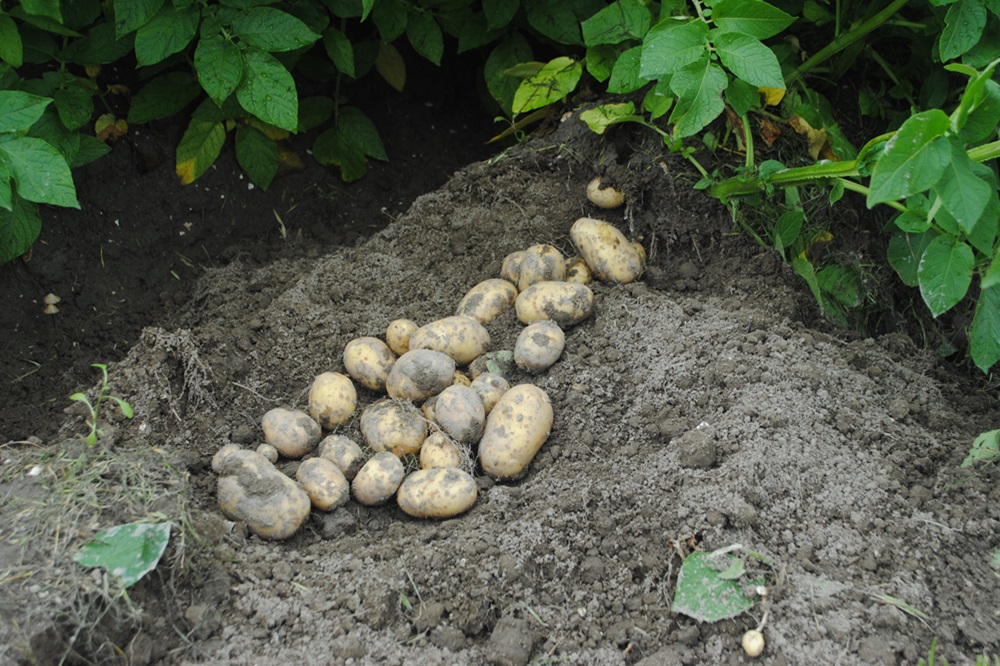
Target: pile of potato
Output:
[{"x": 433, "y": 414}]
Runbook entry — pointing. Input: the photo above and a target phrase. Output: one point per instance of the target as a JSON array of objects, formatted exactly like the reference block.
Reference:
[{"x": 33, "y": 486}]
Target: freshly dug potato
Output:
[
  {"x": 565, "y": 303},
  {"x": 460, "y": 413},
  {"x": 427, "y": 409},
  {"x": 398, "y": 333},
  {"x": 368, "y": 361},
  {"x": 419, "y": 374},
  {"x": 604, "y": 197},
  {"x": 379, "y": 479},
  {"x": 510, "y": 269},
  {"x": 609, "y": 254},
  {"x": 541, "y": 263},
  {"x": 268, "y": 452},
  {"x": 332, "y": 399},
  {"x": 461, "y": 338},
  {"x": 250, "y": 489},
  {"x": 578, "y": 271},
  {"x": 461, "y": 379},
  {"x": 325, "y": 484},
  {"x": 342, "y": 452},
  {"x": 489, "y": 387},
  {"x": 292, "y": 433},
  {"x": 439, "y": 451},
  {"x": 487, "y": 300},
  {"x": 437, "y": 493},
  {"x": 515, "y": 431},
  {"x": 500, "y": 362},
  {"x": 395, "y": 426},
  {"x": 539, "y": 346}
]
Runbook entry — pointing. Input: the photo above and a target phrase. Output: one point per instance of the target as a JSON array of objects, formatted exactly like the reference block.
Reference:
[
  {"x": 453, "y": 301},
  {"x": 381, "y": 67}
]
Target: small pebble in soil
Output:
[
  {"x": 510, "y": 642},
  {"x": 697, "y": 449}
]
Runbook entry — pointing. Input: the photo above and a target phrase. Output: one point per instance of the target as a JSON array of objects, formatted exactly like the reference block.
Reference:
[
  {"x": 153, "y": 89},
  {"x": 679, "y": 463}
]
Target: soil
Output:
[{"x": 706, "y": 406}]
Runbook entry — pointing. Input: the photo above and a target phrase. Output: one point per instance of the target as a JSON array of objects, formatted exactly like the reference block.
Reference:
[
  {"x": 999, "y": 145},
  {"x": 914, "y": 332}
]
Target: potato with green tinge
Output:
[
  {"x": 609, "y": 254},
  {"x": 441, "y": 492},
  {"x": 490, "y": 388},
  {"x": 342, "y": 452},
  {"x": 460, "y": 413},
  {"x": 461, "y": 338},
  {"x": 439, "y": 451},
  {"x": 487, "y": 300},
  {"x": 379, "y": 479},
  {"x": 565, "y": 303},
  {"x": 515, "y": 431},
  {"x": 292, "y": 433},
  {"x": 332, "y": 399},
  {"x": 368, "y": 361},
  {"x": 541, "y": 263},
  {"x": 325, "y": 484},
  {"x": 420, "y": 374},
  {"x": 397, "y": 335},
  {"x": 510, "y": 269},
  {"x": 539, "y": 346},
  {"x": 395, "y": 426}
]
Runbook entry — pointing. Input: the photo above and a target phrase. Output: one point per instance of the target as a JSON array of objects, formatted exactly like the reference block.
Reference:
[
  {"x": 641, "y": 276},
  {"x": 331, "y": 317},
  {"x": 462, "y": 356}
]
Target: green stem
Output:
[
  {"x": 987, "y": 151},
  {"x": 861, "y": 189},
  {"x": 748, "y": 141},
  {"x": 888, "y": 71}
]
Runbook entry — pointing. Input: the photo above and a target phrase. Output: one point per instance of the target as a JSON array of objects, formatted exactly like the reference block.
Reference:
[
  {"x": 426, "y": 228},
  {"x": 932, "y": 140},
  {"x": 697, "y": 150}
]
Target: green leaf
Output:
[
  {"x": 133, "y": 14},
  {"x": 913, "y": 222},
  {"x": 11, "y": 50},
  {"x": 50, "y": 128},
  {"x": 390, "y": 19},
  {"x": 659, "y": 99},
  {"x": 512, "y": 50},
  {"x": 841, "y": 283},
  {"x": 984, "y": 115},
  {"x": 962, "y": 192},
  {"x": 963, "y": 25},
  {"x": 99, "y": 47},
  {"x": 915, "y": 158},
  {"x": 426, "y": 37},
  {"x": 601, "y": 60},
  {"x": 698, "y": 87},
  {"x": 127, "y": 551},
  {"x": 271, "y": 29},
  {"x": 749, "y": 59},
  {"x": 500, "y": 12},
  {"x": 199, "y": 148},
  {"x": 220, "y": 67},
  {"x": 618, "y": 22},
  {"x": 985, "y": 447},
  {"x": 163, "y": 97},
  {"x": 475, "y": 33},
  {"x": 556, "y": 79},
  {"x": 19, "y": 110},
  {"x": 600, "y": 118},
  {"x": 625, "y": 74},
  {"x": 331, "y": 147},
  {"x": 268, "y": 91},
  {"x": 6, "y": 193},
  {"x": 257, "y": 155},
  {"x": 75, "y": 104},
  {"x": 669, "y": 47},
  {"x": 44, "y": 23},
  {"x": 555, "y": 20},
  {"x": 40, "y": 172},
  {"x": 904, "y": 254},
  {"x": 47, "y": 8},
  {"x": 984, "y": 336},
  {"x": 787, "y": 228},
  {"x": 314, "y": 111},
  {"x": 360, "y": 132},
  {"x": 703, "y": 594},
  {"x": 983, "y": 233},
  {"x": 945, "y": 273},
  {"x": 19, "y": 229},
  {"x": 168, "y": 33},
  {"x": 338, "y": 47},
  {"x": 751, "y": 17},
  {"x": 90, "y": 149},
  {"x": 742, "y": 96}
]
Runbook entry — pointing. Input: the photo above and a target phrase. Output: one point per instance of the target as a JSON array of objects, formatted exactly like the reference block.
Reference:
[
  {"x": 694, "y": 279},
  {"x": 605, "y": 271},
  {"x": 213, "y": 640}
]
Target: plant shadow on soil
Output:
[{"x": 706, "y": 404}]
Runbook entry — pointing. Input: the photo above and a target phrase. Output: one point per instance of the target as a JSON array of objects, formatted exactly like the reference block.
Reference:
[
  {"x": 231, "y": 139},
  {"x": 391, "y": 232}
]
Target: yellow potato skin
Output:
[
  {"x": 515, "y": 430},
  {"x": 439, "y": 451},
  {"x": 578, "y": 271},
  {"x": 378, "y": 480},
  {"x": 539, "y": 346},
  {"x": 397, "y": 335},
  {"x": 490, "y": 388},
  {"x": 487, "y": 300},
  {"x": 342, "y": 452},
  {"x": 541, "y": 263},
  {"x": 252, "y": 490},
  {"x": 368, "y": 361},
  {"x": 565, "y": 303},
  {"x": 460, "y": 413},
  {"x": 292, "y": 433},
  {"x": 441, "y": 492},
  {"x": 609, "y": 254},
  {"x": 604, "y": 197},
  {"x": 325, "y": 484},
  {"x": 420, "y": 374},
  {"x": 461, "y": 338},
  {"x": 332, "y": 399},
  {"x": 510, "y": 269},
  {"x": 395, "y": 426}
]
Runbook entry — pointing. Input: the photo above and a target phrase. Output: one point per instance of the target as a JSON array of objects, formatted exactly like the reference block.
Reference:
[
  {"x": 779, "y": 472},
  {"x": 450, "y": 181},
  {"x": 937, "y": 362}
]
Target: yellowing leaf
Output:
[
  {"x": 270, "y": 131},
  {"x": 289, "y": 160},
  {"x": 92, "y": 71},
  {"x": 107, "y": 128},
  {"x": 769, "y": 132},
  {"x": 185, "y": 171},
  {"x": 119, "y": 89},
  {"x": 390, "y": 66},
  {"x": 772, "y": 96},
  {"x": 817, "y": 138}
]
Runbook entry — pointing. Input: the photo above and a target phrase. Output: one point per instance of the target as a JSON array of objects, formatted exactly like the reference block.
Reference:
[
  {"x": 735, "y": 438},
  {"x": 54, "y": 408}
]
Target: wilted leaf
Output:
[
  {"x": 772, "y": 96},
  {"x": 127, "y": 551},
  {"x": 769, "y": 132},
  {"x": 704, "y": 594},
  {"x": 816, "y": 139},
  {"x": 107, "y": 128},
  {"x": 390, "y": 66}
]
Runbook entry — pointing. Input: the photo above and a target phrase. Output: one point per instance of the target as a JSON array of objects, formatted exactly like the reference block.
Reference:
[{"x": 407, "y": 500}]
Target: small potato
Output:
[
  {"x": 437, "y": 493},
  {"x": 609, "y": 254},
  {"x": 439, "y": 451},
  {"x": 268, "y": 452},
  {"x": 462, "y": 338},
  {"x": 427, "y": 409},
  {"x": 325, "y": 484},
  {"x": 292, "y": 433},
  {"x": 461, "y": 379},
  {"x": 487, "y": 300},
  {"x": 419, "y": 374},
  {"x": 539, "y": 346},
  {"x": 489, "y": 387},
  {"x": 332, "y": 399},
  {"x": 541, "y": 263},
  {"x": 515, "y": 431},
  {"x": 510, "y": 270},
  {"x": 395, "y": 426},
  {"x": 398, "y": 333},
  {"x": 460, "y": 413},
  {"x": 368, "y": 361},
  {"x": 379, "y": 479},
  {"x": 578, "y": 271},
  {"x": 564, "y": 303},
  {"x": 604, "y": 197},
  {"x": 251, "y": 490},
  {"x": 342, "y": 452}
]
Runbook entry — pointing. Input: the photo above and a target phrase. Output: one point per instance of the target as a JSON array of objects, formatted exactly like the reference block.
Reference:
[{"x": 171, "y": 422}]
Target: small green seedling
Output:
[
  {"x": 95, "y": 408},
  {"x": 985, "y": 447},
  {"x": 127, "y": 551}
]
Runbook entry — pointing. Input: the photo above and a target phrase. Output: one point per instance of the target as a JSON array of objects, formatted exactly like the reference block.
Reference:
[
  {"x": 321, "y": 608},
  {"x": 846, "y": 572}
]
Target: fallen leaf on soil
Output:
[
  {"x": 817, "y": 138},
  {"x": 769, "y": 132},
  {"x": 289, "y": 160}
]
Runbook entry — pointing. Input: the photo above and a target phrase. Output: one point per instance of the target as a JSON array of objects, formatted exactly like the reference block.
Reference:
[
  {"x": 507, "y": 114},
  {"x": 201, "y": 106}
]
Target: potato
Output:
[
  {"x": 609, "y": 254},
  {"x": 489, "y": 387},
  {"x": 292, "y": 433},
  {"x": 510, "y": 270},
  {"x": 419, "y": 374},
  {"x": 461, "y": 338},
  {"x": 565, "y": 303},
  {"x": 251, "y": 490},
  {"x": 427, "y": 409},
  {"x": 578, "y": 271},
  {"x": 487, "y": 300},
  {"x": 398, "y": 333},
  {"x": 393, "y": 425},
  {"x": 604, "y": 197},
  {"x": 368, "y": 361},
  {"x": 342, "y": 452},
  {"x": 379, "y": 479},
  {"x": 460, "y": 413},
  {"x": 325, "y": 484},
  {"x": 539, "y": 346},
  {"x": 332, "y": 399},
  {"x": 437, "y": 493},
  {"x": 541, "y": 263},
  {"x": 460, "y": 378},
  {"x": 439, "y": 451},
  {"x": 268, "y": 452},
  {"x": 515, "y": 431},
  {"x": 500, "y": 362}
]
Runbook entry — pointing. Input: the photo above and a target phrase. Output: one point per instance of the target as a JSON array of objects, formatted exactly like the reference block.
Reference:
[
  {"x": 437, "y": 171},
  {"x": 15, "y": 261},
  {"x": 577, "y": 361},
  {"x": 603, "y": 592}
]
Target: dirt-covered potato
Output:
[
  {"x": 368, "y": 361},
  {"x": 292, "y": 433},
  {"x": 609, "y": 254},
  {"x": 398, "y": 333},
  {"x": 332, "y": 399},
  {"x": 515, "y": 430},
  {"x": 578, "y": 271},
  {"x": 460, "y": 413},
  {"x": 462, "y": 338},
  {"x": 379, "y": 479},
  {"x": 427, "y": 409},
  {"x": 325, "y": 484},
  {"x": 395, "y": 426},
  {"x": 565, "y": 303},
  {"x": 539, "y": 346},
  {"x": 489, "y": 387},
  {"x": 510, "y": 269},
  {"x": 439, "y": 451},
  {"x": 487, "y": 300},
  {"x": 419, "y": 374},
  {"x": 541, "y": 263},
  {"x": 342, "y": 452},
  {"x": 461, "y": 378},
  {"x": 604, "y": 197},
  {"x": 251, "y": 490},
  {"x": 268, "y": 451},
  {"x": 437, "y": 493}
]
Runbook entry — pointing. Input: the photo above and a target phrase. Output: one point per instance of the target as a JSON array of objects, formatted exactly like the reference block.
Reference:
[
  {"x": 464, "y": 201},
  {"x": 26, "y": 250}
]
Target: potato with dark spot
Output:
[
  {"x": 539, "y": 346},
  {"x": 439, "y": 451},
  {"x": 378, "y": 480},
  {"x": 515, "y": 431},
  {"x": 461, "y": 379},
  {"x": 541, "y": 263},
  {"x": 609, "y": 254},
  {"x": 427, "y": 409},
  {"x": 342, "y": 452},
  {"x": 332, "y": 399},
  {"x": 460, "y": 413},
  {"x": 462, "y": 338},
  {"x": 395, "y": 426},
  {"x": 292, "y": 433},
  {"x": 510, "y": 269},
  {"x": 565, "y": 303},
  {"x": 604, "y": 197},
  {"x": 577, "y": 271},
  {"x": 325, "y": 484},
  {"x": 251, "y": 490},
  {"x": 368, "y": 361},
  {"x": 397, "y": 335},
  {"x": 487, "y": 300},
  {"x": 441, "y": 492},
  {"x": 490, "y": 388},
  {"x": 419, "y": 374}
]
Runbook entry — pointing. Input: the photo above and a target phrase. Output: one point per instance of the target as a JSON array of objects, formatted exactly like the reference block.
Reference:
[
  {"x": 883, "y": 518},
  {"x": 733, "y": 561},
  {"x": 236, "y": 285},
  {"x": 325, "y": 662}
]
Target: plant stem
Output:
[
  {"x": 861, "y": 189},
  {"x": 748, "y": 140},
  {"x": 987, "y": 151}
]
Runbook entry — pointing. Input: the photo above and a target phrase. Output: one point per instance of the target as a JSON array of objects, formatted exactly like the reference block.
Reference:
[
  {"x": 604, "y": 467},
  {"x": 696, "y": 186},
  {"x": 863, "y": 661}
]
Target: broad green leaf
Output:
[
  {"x": 90, "y": 149},
  {"x": 163, "y": 97},
  {"x": 555, "y": 20},
  {"x": 984, "y": 231},
  {"x": 268, "y": 91},
  {"x": 512, "y": 50},
  {"x": 985, "y": 447},
  {"x": 426, "y": 37},
  {"x": 19, "y": 229},
  {"x": 600, "y": 60},
  {"x": 47, "y": 8},
  {"x": 787, "y": 228},
  {"x": 271, "y": 29},
  {"x": 984, "y": 115},
  {"x": 500, "y": 12},
  {"x": 474, "y": 33},
  {"x": 601, "y": 117},
  {"x": 220, "y": 67},
  {"x": 100, "y": 46},
  {"x": 11, "y": 50},
  {"x": 314, "y": 111},
  {"x": 39, "y": 171},
  {"x": 360, "y": 132},
  {"x": 912, "y": 222},
  {"x": 556, "y": 79},
  {"x": 257, "y": 155},
  {"x": 749, "y": 59},
  {"x": 44, "y": 23},
  {"x": 963, "y": 25},
  {"x": 703, "y": 594},
  {"x": 962, "y": 192},
  {"x": 338, "y": 47},
  {"x": 625, "y": 74},
  {"x": 168, "y": 33},
  {"x": 75, "y": 103},
  {"x": 915, "y": 158},
  {"x": 19, "y": 110},
  {"x": 805, "y": 270},
  {"x": 904, "y": 254},
  {"x": 127, "y": 551},
  {"x": 133, "y": 14},
  {"x": 616, "y": 23},
  {"x": 945, "y": 273},
  {"x": 659, "y": 99},
  {"x": 391, "y": 66},
  {"x": 751, "y": 17},
  {"x": 50, "y": 129},
  {"x": 841, "y": 283},
  {"x": 698, "y": 87},
  {"x": 742, "y": 96},
  {"x": 984, "y": 336},
  {"x": 199, "y": 148},
  {"x": 389, "y": 17},
  {"x": 6, "y": 193},
  {"x": 332, "y": 148},
  {"x": 668, "y": 49},
  {"x": 987, "y": 49}
]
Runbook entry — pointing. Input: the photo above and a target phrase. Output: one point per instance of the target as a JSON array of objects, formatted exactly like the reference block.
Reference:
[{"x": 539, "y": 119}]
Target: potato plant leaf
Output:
[
  {"x": 601, "y": 117},
  {"x": 390, "y": 18},
  {"x": 268, "y": 91},
  {"x": 6, "y": 192},
  {"x": 11, "y": 48},
  {"x": 331, "y": 147},
  {"x": 915, "y": 158},
  {"x": 163, "y": 97},
  {"x": 75, "y": 103},
  {"x": 787, "y": 229},
  {"x": 19, "y": 110},
  {"x": 962, "y": 192},
  {"x": 127, "y": 551},
  {"x": 271, "y": 29},
  {"x": 704, "y": 594},
  {"x": 257, "y": 155},
  {"x": 360, "y": 132},
  {"x": 616, "y": 23},
  {"x": 751, "y": 17},
  {"x": 985, "y": 447},
  {"x": 749, "y": 59},
  {"x": 668, "y": 47},
  {"x": 600, "y": 60},
  {"x": 984, "y": 336},
  {"x": 39, "y": 171},
  {"x": 556, "y": 79},
  {"x": 499, "y": 12},
  {"x": 19, "y": 228},
  {"x": 198, "y": 149},
  {"x": 133, "y": 14},
  {"x": 904, "y": 254},
  {"x": 699, "y": 89},
  {"x": 168, "y": 33},
  {"x": 944, "y": 273},
  {"x": 555, "y": 19},
  {"x": 220, "y": 67},
  {"x": 391, "y": 66},
  {"x": 338, "y": 47},
  {"x": 625, "y": 74},
  {"x": 426, "y": 37},
  {"x": 963, "y": 26}
]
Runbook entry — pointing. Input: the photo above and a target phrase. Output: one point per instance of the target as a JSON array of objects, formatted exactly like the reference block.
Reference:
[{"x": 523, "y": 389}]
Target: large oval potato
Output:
[
  {"x": 461, "y": 338},
  {"x": 325, "y": 484},
  {"x": 368, "y": 361},
  {"x": 342, "y": 452},
  {"x": 460, "y": 413},
  {"x": 541, "y": 263},
  {"x": 439, "y": 451},
  {"x": 490, "y": 388},
  {"x": 565, "y": 303},
  {"x": 332, "y": 399},
  {"x": 252, "y": 490},
  {"x": 442, "y": 492},
  {"x": 379, "y": 479},
  {"x": 539, "y": 346},
  {"x": 487, "y": 300},
  {"x": 292, "y": 433},
  {"x": 398, "y": 333},
  {"x": 419, "y": 374},
  {"x": 393, "y": 425},
  {"x": 510, "y": 269},
  {"x": 609, "y": 254},
  {"x": 515, "y": 431}
]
